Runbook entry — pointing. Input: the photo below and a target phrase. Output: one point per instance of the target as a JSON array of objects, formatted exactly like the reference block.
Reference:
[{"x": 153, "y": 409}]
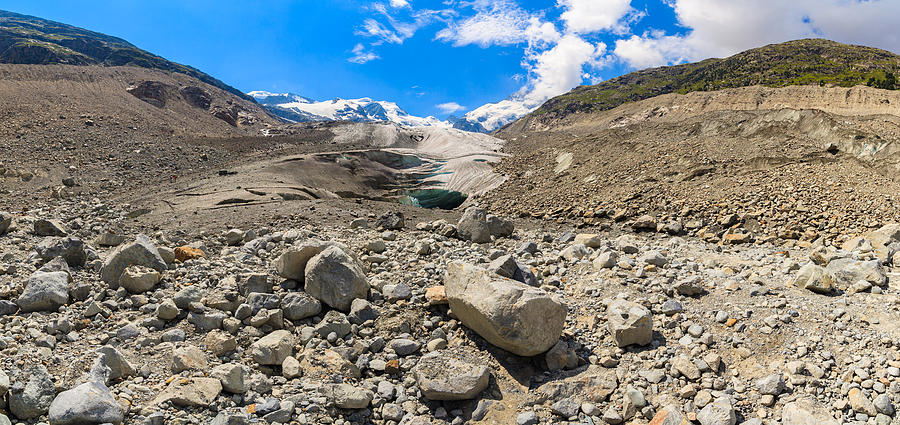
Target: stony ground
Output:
[{"x": 378, "y": 320}]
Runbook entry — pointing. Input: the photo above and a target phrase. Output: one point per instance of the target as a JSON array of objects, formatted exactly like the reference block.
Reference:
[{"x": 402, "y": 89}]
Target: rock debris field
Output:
[{"x": 384, "y": 321}]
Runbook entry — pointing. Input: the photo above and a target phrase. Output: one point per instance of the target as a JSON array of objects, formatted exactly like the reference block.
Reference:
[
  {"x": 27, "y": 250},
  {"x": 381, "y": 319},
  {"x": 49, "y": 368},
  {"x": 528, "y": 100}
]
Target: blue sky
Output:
[{"x": 422, "y": 53}]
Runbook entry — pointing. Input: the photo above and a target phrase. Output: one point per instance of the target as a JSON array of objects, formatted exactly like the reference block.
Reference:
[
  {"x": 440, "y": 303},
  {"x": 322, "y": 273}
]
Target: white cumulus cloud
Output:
[
  {"x": 559, "y": 69},
  {"x": 450, "y": 107},
  {"x": 498, "y": 23},
  {"x": 551, "y": 72},
  {"x": 719, "y": 28},
  {"x": 653, "y": 49},
  {"x": 587, "y": 16}
]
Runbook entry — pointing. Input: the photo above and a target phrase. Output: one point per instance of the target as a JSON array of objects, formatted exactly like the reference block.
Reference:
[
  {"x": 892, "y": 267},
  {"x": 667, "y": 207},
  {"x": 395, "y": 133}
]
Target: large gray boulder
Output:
[
  {"x": 43, "y": 227},
  {"x": 478, "y": 226},
  {"x": 70, "y": 249},
  {"x": 346, "y": 396},
  {"x": 141, "y": 252},
  {"x": 719, "y": 412},
  {"x": 111, "y": 365},
  {"x": 45, "y": 291},
  {"x": 88, "y": 403},
  {"x": 629, "y": 323},
  {"x": 806, "y": 411},
  {"x": 473, "y": 226},
  {"x": 32, "y": 398},
  {"x": 500, "y": 227},
  {"x": 511, "y": 315},
  {"x": 336, "y": 278},
  {"x": 273, "y": 348},
  {"x": 291, "y": 264},
  {"x": 845, "y": 272},
  {"x": 191, "y": 392},
  {"x": 299, "y": 306},
  {"x": 813, "y": 278},
  {"x": 446, "y": 375}
]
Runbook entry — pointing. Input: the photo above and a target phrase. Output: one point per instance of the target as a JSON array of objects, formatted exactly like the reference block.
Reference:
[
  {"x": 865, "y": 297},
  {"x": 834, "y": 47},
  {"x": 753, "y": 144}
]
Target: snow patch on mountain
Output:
[
  {"x": 301, "y": 109},
  {"x": 296, "y": 108},
  {"x": 492, "y": 116}
]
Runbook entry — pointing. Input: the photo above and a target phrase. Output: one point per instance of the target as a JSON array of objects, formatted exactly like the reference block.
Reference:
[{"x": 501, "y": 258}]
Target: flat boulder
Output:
[
  {"x": 185, "y": 253},
  {"x": 336, "y": 278},
  {"x": 273, "y": 348},
  {"x": 473, "y": 226},
  {"x": 346, "y": 396},
  {"x": 813, "y": 278},
  {"x": 606, "y": 260},
  {"x": 88, "y": 403},
  {"x": 34, "y": 397},
  {"x": 446, "y": 375},
  {"x": 646, "y": 223},
  {"x": 629, "y": 323},
  {"x": 806, "y": 411},
  {"x": 137, "y": 279},
  {"x": 719, "y": 412},
  {"x": 590, "y": 240},
  {"x": 291, "y": 264},
  {"x": 45, "y": 291},
  {"x": 845, "y": 272},
  {"x": 69, "y": 249},
  {"x": 669, "y": 415},
  {"x": 518, "y": 318},
  {"x": 43, "y": 227},
  {"x": 141, "y": 252},
  {"x": 190, "y": 392},
  {"x": 478, "y": 226}
]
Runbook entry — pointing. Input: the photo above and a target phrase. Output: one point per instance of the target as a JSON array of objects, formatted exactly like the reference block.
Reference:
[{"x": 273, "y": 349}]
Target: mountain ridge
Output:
[
  {"x": 798, "y": 62},
  {"x": 297, "y": 108},
  {"x": 29, "y": 40}
]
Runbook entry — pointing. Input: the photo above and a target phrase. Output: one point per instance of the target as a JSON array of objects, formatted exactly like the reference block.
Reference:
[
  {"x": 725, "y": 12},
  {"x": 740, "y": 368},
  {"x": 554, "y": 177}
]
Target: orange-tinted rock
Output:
[
  {"x": 392, "y": 367},
  {"x": 184, "y": 253},
  {"x": 436, "y": 295}
]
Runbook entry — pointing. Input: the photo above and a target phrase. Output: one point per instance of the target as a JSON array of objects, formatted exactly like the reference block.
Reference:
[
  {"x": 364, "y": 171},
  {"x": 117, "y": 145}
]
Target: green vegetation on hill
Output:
[
  {"x": 801, "y": 62},
  {"x": 29, "y": 40}
]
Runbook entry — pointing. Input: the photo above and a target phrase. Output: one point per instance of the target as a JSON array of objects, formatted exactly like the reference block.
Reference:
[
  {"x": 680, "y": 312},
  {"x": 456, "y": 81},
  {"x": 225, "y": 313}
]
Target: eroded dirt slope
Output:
[{"x": 796, "y": 161}]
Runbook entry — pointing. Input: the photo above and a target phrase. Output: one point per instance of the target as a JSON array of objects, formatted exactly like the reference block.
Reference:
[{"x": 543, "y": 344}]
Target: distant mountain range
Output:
[{"x": 297, "y": 108}]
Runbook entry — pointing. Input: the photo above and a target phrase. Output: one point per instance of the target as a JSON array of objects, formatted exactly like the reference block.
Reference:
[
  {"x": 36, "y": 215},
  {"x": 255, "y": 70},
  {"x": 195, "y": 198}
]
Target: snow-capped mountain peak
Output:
[
  {"x": 269, "y": 98},
  {"x": 297, "y": 108}
]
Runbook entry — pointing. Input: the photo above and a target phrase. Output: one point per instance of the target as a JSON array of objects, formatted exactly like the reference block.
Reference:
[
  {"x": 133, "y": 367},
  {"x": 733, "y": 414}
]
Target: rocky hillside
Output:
[
  {"x": 735, "y": 166},
  {"x": 30, "y": 40},
  {"x": 801, "y": 62}
]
